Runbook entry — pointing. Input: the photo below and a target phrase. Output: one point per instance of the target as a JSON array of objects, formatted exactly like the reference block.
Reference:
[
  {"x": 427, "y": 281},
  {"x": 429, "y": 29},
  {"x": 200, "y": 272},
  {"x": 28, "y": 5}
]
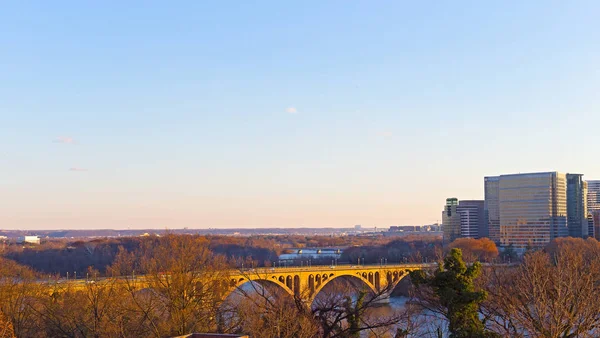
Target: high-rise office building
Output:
[
  {"x": 591, "y": 230},
  {"x": 593, "y": 206},
  {"x": 593, "y": 196},
  {"x": 472, "y": 218},
  {"x": 492, "y": 208},
  {"x": 450, "y": 221},
  {"x": 577, "y": 220},
  {"x": 462, "y": 219},
  {"x": 527, "y": 209},
  {"x": 596, "y": 224}
]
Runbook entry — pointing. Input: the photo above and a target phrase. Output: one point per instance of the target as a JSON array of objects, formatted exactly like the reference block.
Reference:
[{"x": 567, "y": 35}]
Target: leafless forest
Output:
[{"x": 548, "y": 293}]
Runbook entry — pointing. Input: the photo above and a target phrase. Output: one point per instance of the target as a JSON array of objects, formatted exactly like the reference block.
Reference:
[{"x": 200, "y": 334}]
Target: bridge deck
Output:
[{"x": 293, "y": 269}]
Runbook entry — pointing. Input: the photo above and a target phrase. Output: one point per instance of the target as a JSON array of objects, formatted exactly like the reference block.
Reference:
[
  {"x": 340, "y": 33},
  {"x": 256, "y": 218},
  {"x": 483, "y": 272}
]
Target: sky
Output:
[{"x": 220, "y": 114}]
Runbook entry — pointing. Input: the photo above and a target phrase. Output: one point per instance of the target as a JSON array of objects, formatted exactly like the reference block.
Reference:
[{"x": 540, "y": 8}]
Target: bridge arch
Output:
[
  {"x": 349, "y": 275},
  {"x": 280, "y": 282},
  {"x": 306, "y": 284}
]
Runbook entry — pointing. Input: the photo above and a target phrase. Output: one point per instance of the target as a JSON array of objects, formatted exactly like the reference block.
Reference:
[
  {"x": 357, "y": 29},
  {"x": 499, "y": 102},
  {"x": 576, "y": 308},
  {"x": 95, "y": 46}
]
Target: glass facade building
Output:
[
  {"x": 577, "y": 220},
  {"x": 593, "y": 196},
  {"x": 526, "y": 209},
  {"x": 593, "y": 206},
  {"x": 472, "y": 218},
  {"x": 450, "y": 221},
  {"x": 462, "y": 219},
  {"x": 492, "y": 208}
]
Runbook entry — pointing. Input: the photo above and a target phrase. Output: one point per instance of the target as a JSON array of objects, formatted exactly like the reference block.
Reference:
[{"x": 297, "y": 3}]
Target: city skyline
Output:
[
  {"x": 320, "y": 114},
  {"x": 526, "y": 210}
]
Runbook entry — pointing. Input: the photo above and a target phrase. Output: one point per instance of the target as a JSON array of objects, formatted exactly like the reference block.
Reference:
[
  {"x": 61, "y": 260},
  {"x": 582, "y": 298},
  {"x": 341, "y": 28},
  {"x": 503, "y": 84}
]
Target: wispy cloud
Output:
[
  {"x": 65, "y": 140},
  {"x": 77, "y": 169},
  {"x": 291, "y": 110},
  {"x": 385, "y": 134}
]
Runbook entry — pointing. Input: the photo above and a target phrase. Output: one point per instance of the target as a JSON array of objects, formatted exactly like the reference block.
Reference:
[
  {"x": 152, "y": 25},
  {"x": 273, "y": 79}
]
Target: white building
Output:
[{"x": 28, "y": 239}]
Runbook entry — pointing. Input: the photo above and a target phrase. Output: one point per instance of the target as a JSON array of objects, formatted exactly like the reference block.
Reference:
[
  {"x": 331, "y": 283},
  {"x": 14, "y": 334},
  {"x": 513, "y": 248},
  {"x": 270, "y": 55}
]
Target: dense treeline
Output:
[
  {"x": 404, "y": 249},
  {"x": 62, "y": 257}
]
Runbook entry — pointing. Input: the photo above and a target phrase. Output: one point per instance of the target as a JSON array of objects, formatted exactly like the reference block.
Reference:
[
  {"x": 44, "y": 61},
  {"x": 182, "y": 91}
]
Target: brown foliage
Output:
[
  {"x": 482, "y": 249},
  {"x": 6, "y": 328},
  {"x": 185, "y": 279}
]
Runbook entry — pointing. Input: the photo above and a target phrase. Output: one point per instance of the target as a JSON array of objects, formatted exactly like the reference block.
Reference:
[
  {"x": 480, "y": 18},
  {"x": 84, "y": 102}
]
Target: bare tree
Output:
[
  {"x": 550, "y": 295},
  {"x": 346, "y": 309},
  {"x": 18, "y": 294},
  {"x": 184, "y": 282},
  {"x": 6, "y": 328}
]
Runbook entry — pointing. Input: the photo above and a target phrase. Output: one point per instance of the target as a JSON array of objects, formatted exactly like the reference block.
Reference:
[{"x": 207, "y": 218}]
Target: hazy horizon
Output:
[
  {"x": 188, "y": 228},
  {"x": 276, "y": 114}
]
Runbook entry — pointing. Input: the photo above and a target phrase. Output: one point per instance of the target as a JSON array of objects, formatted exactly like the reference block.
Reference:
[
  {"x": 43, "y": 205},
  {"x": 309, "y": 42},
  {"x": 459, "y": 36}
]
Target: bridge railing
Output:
[
  {"x": 262, "y": 270},
  {"x": 335, "y": 267}
]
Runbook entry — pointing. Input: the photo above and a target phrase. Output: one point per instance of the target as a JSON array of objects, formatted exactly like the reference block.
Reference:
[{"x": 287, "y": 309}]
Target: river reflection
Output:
[{"x": 425, "y": 325}]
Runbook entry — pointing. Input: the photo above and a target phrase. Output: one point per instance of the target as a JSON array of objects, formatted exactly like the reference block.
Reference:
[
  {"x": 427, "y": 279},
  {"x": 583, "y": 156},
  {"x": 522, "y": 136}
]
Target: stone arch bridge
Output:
[{"x": 306, "y": 282}]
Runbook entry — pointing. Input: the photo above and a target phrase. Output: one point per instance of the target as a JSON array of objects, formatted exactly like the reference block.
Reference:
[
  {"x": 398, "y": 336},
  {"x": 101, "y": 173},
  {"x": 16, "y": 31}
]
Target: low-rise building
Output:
[{"x": 28, "y": 240}]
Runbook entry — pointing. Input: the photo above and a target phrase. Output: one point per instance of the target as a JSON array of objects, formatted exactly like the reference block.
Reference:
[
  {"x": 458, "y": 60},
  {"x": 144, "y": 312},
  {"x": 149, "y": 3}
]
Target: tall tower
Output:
[
  {"x": 593, "y": 206},
  {"x": 577, "y": 206},
  {"x": 451, "y": 220},
  {"x": 492, "y": 207}
]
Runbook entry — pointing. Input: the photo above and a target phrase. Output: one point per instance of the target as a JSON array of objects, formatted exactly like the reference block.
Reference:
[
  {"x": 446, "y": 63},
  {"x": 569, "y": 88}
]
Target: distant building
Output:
[
  {"x": 396, "y": 228},
  {"x": 472, "y": 218},
  {"x": 462, "y": 219},
  {"x": 532, "y": 209},
  {"x": 357, "y": 227},
  {"x": 591, "y": 230},
  {"x": 596, "y": 224},
  {"x": 434, "y": 227},
  {"x": 577, "y": 221},
  {"x": 403, "y": 230},
  {"x": 492, "y": 207},
  {"x": 593, "y": 206},
  {"x": 28, "y": 240},
  {"x": 593, "y": 196},
  {"x": 450, "y": 221}
]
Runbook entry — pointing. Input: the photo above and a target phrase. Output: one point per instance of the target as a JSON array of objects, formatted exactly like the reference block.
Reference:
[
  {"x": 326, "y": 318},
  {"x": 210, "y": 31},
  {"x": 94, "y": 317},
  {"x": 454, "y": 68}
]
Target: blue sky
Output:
[{"x": 276, "y": 113}]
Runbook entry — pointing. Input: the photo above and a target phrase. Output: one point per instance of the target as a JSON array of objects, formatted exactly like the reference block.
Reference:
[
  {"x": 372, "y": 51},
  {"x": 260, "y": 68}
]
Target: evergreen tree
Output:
[{"x": 453, "y": 284}]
